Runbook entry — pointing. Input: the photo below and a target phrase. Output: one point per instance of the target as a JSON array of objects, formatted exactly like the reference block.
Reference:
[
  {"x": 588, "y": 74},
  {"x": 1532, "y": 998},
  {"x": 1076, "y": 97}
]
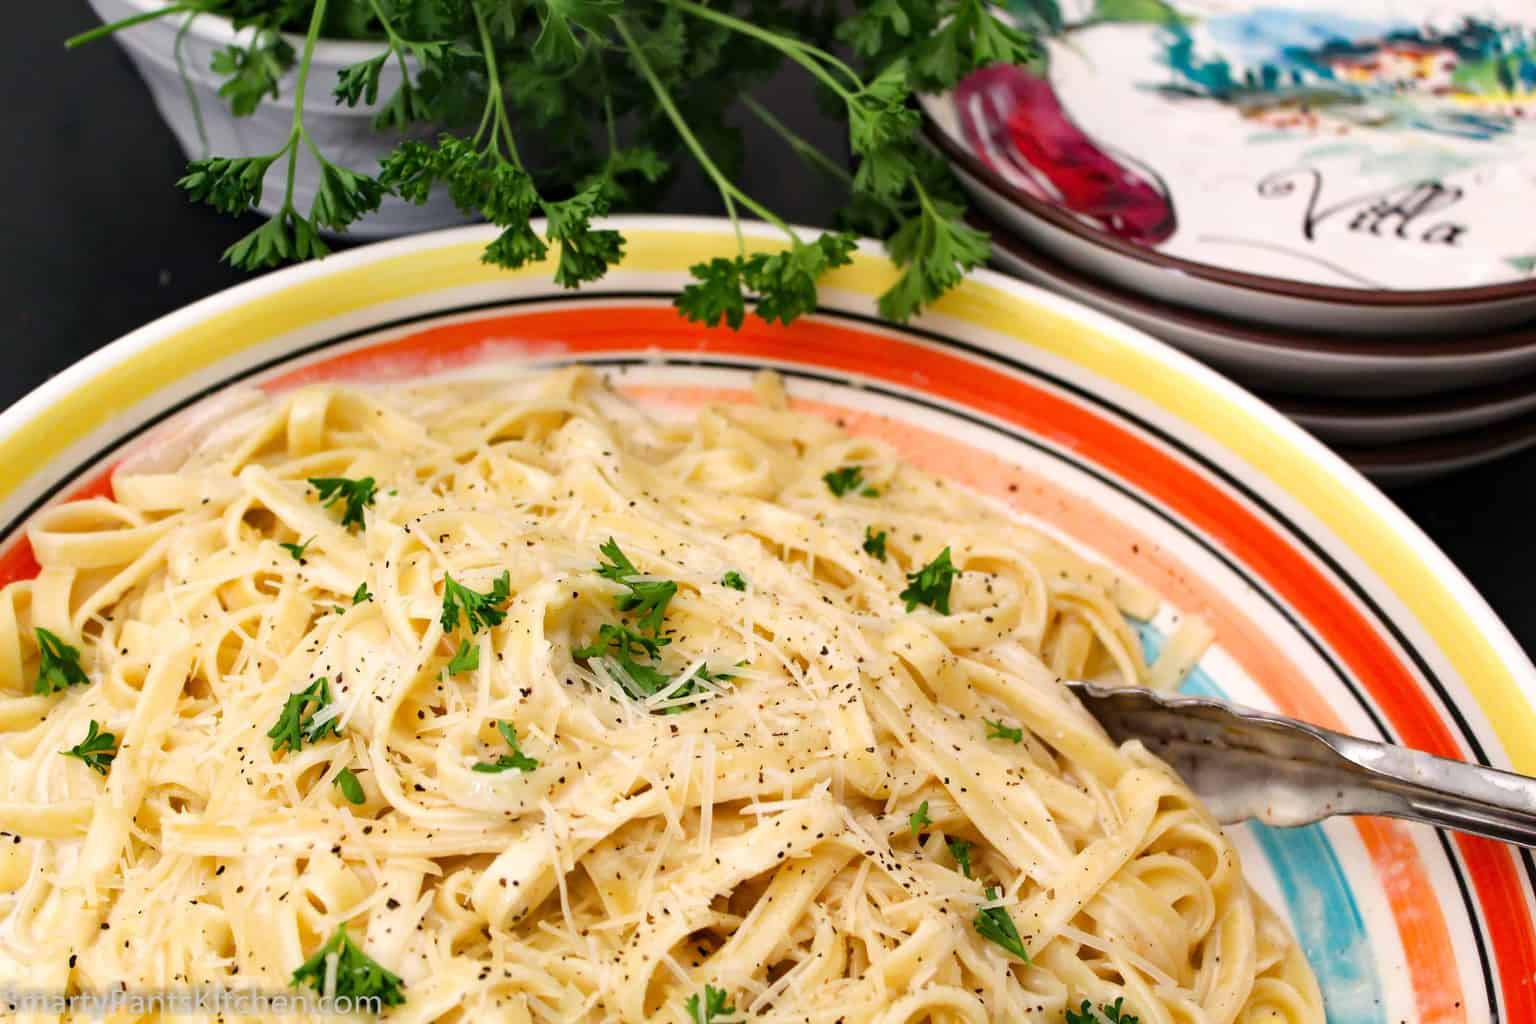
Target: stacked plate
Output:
[{"x": 1338, "y": 209}]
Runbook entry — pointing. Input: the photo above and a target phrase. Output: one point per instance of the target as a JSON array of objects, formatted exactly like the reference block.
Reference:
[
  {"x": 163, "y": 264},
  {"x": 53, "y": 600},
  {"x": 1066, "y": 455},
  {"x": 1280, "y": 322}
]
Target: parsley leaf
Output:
[
  {"x": 356, "y": 494},
  {"x": 284, "y": 237},
  {"x": 621, "y": 645},
  {"x": 351, "y": 788},
  {"x": 930, "y": 584},
  {"x": 844, "y": 479},
  {"x": 937, "y": 249},
  {"x": 709, "y": 1008},
  {"x": 994, "y": 925},
  {"x": 715, "y": 293},
  {"x": 358, "y": 977},
  {"x": 648, "y": 597},
  {"x": 343, "y": 197},
  {"x": 585, "y": 252},
  {"x": 465, "y": 659},
  {"x": 97, "y": 749},
  {"x": 625, "y": 640},
  {"x": 918, "y": 819},
  {"x": 960, "y": 849},
  {"x": 998, "y": 731},
  {"x": 297, "y": 550},
  {"x": 874, "y": 543},
  {"x": 972, "y": 38},
  {"x": 251, "y": 73},
  {"x": 786, "y": 281},
  {"x": 297, "y": 724},
  {"x": 516, "y": 760},
  {"x": 1113, "y": 1013},
  {"x": 58, "y": 665},
  {"x": 359, "y": 83},
  {"x": 734, "y": 580},
  {"x": 231, "y": 185},
  {"x": 361, "y": 594},
  {"x": 481, "y": 611}
]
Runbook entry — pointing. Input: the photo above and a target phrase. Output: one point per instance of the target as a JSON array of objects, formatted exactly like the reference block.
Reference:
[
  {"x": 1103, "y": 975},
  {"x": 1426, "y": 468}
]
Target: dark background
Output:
[{"x": 96, "y": 242}]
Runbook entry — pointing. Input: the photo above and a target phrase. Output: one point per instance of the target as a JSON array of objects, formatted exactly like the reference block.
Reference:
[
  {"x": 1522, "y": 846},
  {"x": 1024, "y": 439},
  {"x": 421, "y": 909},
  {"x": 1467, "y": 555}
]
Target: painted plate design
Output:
[
  {"x": 1376, "y": 145},
  {"x": 1327, "y": 603}
]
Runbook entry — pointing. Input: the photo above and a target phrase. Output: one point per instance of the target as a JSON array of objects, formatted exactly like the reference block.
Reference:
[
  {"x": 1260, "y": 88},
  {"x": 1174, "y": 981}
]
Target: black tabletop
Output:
[{"x": 98, "y": 242}]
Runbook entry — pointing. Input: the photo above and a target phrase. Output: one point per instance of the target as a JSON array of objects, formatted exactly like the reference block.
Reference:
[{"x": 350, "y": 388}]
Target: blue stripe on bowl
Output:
[{"x": 1318, "y": 898}]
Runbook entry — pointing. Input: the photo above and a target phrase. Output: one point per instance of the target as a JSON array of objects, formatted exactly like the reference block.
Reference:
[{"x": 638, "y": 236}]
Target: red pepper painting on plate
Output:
[{"x": 1014, "y": 121}]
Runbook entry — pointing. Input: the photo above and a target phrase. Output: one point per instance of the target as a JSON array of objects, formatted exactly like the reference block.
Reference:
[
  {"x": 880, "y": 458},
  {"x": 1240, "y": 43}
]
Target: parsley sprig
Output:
[
  {"x": 930, "y": 584},
  {"x": 710, "y": 1007},
  {"x": 465, "y": 659},
  {"x": 649, "y": 598},
  {"x": 97, "y": 749},
  {"x": 515, "y": 761},
  {"x": 658, "y": 78},
  {"x": 297, "y": 550},
  {"x": 998, "y": 730},
  {"x": 960, "y": 849},
  {"x": 874, "y": 543},
  {"x": 847, "y": 478},
  {"x": 351, "y": 788},
  {"x": 481, "y": 611},
  {"x": 1108, "y": 1013},
  {"x": 918, "y": 819},
  {"x": 994, "y": 925},
  {"x": 358, "y": 976},
  {"x": 58, "y": 666},
  {"x": 297, "y": 724},
  {"x": 355, "y": 495}
]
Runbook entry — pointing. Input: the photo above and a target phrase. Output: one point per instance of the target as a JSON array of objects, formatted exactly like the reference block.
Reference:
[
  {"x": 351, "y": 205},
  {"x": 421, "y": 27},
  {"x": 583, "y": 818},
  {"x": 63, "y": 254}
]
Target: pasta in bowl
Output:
[{"x": 507, "y": 699}]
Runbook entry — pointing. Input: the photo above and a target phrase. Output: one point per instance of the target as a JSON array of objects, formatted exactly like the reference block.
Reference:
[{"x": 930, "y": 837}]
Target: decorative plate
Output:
[
  {"x": 1289, "y": 359},
  {"x": 1382, "y": 145},
  {"x": 1327, "y": 602}
]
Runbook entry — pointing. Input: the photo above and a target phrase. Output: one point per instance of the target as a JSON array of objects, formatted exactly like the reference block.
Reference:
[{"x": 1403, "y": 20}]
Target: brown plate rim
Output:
[{"x": 1431, "y": 346}]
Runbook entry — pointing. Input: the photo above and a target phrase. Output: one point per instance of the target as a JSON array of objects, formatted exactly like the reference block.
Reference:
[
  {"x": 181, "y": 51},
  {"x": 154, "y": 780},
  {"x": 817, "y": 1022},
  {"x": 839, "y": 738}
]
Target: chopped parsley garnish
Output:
[
  {"x": 361, "y": 594},
  {"x": 930, "y": 584},
  {"x": 465, "y": 659},
  {"x": 621, "y": 645},
  {"x": 481, "y": 611},
  {"x": 918, "y": 819},
  {"x": 58, "y": 666},
  {"x": 626, "y": 640},
  {"x": 516, "y": 760},
  {"x": 994, "y": 925},
  {"x": 734, "y": 580},
  {"x": 708, "y": 1009},
  {"x": 97, "y": 749},
  {"x": 1112, "y": 1013},
  {"x": 297, "y": 550},
  {"x": 297, "y": 725},
  {"x": 358, "y": 977},
  {"x": 841, "y": 481},
  {"x": 647, "y": 597},
  {"x": 874, "y": 543},
  {"x": 960, "y": 849},
  {"x": 357, "y": 495},
  {"x": 999, "y": 731},
  {"x": 350, "y": 788}
]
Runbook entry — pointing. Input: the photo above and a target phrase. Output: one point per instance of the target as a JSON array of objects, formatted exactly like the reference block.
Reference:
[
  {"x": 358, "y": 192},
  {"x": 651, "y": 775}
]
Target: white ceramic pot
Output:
[{"x": 186, "y": 91}]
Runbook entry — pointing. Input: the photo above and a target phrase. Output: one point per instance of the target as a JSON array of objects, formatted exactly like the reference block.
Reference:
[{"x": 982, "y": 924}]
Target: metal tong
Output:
[{"x": 1252, "y": 764}]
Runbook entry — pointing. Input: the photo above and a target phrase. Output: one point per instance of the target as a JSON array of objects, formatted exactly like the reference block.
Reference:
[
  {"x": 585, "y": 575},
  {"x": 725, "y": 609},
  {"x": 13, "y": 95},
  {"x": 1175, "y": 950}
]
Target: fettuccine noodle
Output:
[{"x": 812, "y": 806}]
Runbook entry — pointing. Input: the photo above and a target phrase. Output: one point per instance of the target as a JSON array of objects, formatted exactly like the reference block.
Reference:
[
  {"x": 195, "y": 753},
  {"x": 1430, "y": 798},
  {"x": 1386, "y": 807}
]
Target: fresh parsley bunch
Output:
[{"x": 656, "y": 78}]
